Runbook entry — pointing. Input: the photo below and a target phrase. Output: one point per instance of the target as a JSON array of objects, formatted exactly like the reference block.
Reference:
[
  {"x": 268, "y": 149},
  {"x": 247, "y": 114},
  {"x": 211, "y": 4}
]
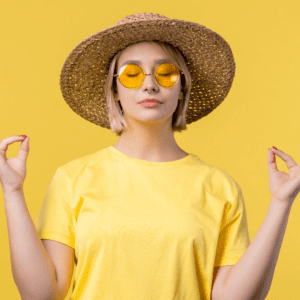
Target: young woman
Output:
[{"x": 143, "y": 219}]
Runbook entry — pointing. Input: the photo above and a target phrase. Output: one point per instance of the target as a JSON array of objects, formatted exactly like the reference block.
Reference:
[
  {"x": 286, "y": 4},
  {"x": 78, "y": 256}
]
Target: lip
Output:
[
  {"x": 149, "y": 104},
  {"x": 149, "y": 100}
]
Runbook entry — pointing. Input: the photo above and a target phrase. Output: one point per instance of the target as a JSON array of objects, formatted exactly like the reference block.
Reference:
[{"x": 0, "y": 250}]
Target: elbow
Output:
[{"x": 45, "y": 295}]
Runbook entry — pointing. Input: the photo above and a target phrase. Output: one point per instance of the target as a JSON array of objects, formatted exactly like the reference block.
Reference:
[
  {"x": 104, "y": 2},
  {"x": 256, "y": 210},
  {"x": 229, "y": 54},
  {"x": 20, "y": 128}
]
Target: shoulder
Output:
[
  {"x": 80, "y": 164},
  {"x": 79, "y": 170},
  {"x": 218, "y": 181}
]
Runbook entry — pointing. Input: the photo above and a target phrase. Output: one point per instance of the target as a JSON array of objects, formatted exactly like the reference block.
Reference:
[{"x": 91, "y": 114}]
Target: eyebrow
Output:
[{"x": 138, "y": 61}]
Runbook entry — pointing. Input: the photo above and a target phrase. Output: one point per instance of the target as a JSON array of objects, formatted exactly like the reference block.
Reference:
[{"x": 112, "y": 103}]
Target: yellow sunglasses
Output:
[{"x": 132, "y": 75}]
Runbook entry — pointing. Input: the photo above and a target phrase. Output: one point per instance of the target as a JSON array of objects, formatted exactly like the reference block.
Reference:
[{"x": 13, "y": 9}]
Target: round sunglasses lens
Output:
[
  {"x": 131, "y": 76},
  {"x": 167, "y": 74}
]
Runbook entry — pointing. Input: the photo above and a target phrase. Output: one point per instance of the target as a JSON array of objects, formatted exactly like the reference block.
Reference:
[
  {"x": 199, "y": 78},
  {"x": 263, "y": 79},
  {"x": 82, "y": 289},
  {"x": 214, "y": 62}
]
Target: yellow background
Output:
[{"x": 261, "y": 110}]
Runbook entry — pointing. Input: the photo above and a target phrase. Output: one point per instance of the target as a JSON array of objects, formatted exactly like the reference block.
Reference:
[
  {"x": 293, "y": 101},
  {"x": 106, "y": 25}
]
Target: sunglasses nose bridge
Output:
[{"x": 148, "y": 75}]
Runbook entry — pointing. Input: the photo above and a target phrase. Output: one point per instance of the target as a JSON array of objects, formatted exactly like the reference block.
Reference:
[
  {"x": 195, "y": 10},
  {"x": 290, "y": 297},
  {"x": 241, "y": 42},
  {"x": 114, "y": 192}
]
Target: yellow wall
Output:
[{"x": 262, "y": 109}]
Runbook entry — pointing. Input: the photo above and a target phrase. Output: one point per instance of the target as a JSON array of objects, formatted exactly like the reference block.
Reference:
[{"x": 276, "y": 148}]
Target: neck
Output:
[{"x": 155, "y": 142}]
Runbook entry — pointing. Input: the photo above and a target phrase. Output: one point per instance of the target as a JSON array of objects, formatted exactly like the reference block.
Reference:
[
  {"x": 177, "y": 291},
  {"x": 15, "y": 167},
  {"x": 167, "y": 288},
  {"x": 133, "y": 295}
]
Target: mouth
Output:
[
  {"x": 149, "y": 104},
  {"x": 150, "y": 101}
]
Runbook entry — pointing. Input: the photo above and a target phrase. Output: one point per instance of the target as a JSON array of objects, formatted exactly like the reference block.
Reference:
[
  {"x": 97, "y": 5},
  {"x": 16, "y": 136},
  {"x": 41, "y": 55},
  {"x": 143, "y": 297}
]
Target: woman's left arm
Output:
[{"x": 252, "y": 275}]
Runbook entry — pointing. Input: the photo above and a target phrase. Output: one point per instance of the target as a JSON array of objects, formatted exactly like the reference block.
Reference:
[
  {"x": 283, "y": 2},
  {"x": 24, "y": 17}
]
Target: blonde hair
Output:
[{"x": 116, "y": 118}]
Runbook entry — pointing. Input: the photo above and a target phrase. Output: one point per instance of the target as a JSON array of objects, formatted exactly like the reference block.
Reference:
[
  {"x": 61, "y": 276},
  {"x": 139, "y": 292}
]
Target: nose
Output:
[{"x": 150, "y": 83}]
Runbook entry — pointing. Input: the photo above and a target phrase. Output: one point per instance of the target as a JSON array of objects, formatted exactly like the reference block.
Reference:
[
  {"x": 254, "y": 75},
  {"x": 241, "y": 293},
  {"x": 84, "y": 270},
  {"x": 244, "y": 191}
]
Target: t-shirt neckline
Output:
[{"x": 146, "y": 162}]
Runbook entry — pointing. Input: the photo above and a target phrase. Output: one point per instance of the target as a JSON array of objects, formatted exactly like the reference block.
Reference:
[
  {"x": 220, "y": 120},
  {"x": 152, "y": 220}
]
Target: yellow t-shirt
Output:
[{"x": 144, "y": 230}]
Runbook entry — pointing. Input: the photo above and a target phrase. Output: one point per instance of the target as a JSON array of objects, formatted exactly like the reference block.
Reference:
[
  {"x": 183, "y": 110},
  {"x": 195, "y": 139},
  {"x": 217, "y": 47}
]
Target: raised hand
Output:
[
  {"x": 283, "y": 187},
  {"x": 13, "y": 170}
]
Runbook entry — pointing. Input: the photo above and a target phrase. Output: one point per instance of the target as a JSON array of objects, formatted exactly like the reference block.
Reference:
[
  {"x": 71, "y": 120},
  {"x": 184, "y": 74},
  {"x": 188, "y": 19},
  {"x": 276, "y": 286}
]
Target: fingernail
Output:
[
  {"x": 274, "y": 148},
  {"x": 23, "y": 136}
]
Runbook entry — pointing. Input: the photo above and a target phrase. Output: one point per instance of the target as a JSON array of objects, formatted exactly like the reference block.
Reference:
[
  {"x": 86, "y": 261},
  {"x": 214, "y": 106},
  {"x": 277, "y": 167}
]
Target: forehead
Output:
[{"x": 143, "y": 51}]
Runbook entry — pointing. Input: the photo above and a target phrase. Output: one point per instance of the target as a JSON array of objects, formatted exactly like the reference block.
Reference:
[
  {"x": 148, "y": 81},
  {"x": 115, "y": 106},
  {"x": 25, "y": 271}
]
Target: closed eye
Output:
[{"x": 132, "y": 75}]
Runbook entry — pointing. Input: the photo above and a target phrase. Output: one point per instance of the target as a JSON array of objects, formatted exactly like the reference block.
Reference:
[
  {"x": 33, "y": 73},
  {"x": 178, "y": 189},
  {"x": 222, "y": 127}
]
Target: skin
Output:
[{"x": 149, "y": 134}]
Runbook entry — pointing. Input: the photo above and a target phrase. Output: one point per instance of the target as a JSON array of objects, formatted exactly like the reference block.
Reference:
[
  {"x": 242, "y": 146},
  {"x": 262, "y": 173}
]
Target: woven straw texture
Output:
[{"x": 208, "y": 57}]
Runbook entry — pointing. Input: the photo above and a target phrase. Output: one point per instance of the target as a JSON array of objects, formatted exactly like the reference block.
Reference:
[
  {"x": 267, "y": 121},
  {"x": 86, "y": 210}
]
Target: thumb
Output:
[{"x": 24, "y": 149}]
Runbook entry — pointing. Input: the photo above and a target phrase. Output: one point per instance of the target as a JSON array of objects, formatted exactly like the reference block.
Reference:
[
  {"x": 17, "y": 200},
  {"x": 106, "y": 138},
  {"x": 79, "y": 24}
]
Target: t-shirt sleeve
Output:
[
  {"x": 54, "y": 220},
  {"x": 234, "y": 236}
]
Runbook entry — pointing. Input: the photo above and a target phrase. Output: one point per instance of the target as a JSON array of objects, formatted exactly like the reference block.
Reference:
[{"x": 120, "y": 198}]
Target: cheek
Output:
[{"x": 126, "y": 95}]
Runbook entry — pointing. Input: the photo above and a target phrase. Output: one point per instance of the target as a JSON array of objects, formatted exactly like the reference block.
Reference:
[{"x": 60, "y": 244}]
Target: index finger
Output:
[
  {"x": 9, "y": 140},
  {"x": 289, "y": 161}
]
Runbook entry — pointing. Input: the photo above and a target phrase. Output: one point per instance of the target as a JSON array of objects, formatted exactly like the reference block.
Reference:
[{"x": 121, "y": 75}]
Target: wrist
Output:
[
  {"x": 11, "y": 192},
  {"x": 281, "y": 204}
]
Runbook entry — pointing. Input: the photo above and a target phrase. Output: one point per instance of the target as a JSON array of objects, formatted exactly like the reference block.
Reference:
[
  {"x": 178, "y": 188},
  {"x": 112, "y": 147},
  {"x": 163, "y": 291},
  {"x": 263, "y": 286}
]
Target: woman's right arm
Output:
[{"x": 32, "y": 268}]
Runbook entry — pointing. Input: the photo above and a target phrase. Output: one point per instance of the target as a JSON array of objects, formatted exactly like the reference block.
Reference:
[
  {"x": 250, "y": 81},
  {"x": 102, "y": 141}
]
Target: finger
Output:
[
  {"x": 11, "y": 139},
  {"x": 24, "y": 149},
  {"x": 289, "y": 161},
  {"x": 7, "y": 141},
  {"x": 271, "y": 161}
]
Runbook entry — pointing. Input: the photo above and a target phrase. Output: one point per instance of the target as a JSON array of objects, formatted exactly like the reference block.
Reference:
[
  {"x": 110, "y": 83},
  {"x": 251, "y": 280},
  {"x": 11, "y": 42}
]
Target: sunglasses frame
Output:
[{"x": 144, "y": 75}]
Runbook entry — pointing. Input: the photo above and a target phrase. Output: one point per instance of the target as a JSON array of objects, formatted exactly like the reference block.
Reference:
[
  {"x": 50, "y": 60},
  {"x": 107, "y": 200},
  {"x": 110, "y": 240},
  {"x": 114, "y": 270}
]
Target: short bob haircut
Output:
[{"x": 114, "y": 107}]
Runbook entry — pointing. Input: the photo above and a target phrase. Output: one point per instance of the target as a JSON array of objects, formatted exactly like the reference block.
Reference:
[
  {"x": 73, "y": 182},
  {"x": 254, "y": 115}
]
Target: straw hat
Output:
[{"x": 208, "y": 57}]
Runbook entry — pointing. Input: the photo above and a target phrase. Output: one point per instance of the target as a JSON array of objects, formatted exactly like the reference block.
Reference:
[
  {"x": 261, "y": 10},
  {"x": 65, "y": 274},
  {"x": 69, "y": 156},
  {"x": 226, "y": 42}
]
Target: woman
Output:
[{"x": 142, "y": 219}]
